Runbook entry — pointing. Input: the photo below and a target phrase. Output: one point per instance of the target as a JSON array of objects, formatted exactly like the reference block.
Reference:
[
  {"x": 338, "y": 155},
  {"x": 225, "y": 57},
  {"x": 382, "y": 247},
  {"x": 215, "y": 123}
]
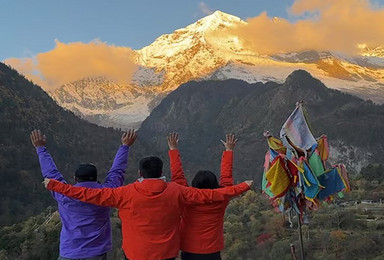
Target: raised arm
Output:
[
  {"x": 226, "y": 177},
  {"x": 106, "y": 197},
  {"x": 47, "y": 165},
  {"x": 177, "y": 171},
  {"x": 115, "y": 177},
  {"x": 200, "y": 196}
]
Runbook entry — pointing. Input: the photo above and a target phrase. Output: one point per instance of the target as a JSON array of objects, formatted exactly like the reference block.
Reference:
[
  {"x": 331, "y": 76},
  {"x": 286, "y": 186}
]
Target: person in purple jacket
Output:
[{"x": 86, "y": 228}]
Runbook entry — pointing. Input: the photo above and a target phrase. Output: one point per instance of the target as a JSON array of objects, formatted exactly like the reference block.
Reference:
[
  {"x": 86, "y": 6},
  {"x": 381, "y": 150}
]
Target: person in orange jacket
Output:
[
  {"x": 150, "y": 208},
  {"x": 202, "y": 235}
]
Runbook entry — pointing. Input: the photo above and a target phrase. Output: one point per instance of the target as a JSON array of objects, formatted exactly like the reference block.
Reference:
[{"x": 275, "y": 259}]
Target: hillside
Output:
[
  {"x": 342, "y": 230},
  {"x": 24, "y": 107},
  {"x": 202, "y": 112}
]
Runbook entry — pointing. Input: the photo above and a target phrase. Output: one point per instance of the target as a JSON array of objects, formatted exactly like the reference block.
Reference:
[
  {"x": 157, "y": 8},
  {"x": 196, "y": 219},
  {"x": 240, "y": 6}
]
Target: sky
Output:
[
  {"x": 53, "y": 42},
  {"x": 31, "y": 27}
]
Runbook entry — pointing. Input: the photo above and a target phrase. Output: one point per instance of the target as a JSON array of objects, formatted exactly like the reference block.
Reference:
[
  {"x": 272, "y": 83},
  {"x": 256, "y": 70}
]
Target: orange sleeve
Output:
[
  {"x": 200, "y": 196},
  {"x": 106, "y": 197},
  {"x": 177, "y": 171},
  {"x": 226, "y": 177}
]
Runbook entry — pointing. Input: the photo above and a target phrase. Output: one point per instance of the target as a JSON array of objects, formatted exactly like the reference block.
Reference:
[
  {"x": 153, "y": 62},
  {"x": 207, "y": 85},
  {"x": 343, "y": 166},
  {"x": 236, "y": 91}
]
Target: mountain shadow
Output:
[{"x": 202, "y": 112}]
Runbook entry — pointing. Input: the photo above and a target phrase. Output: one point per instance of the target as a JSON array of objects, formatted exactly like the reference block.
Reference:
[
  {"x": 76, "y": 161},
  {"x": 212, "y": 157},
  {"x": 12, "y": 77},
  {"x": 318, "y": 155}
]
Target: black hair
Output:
[
  {"x": 205, "y": 179},
  {"x": 151, "y": 167},
  {"x": 86, "y": 172}
]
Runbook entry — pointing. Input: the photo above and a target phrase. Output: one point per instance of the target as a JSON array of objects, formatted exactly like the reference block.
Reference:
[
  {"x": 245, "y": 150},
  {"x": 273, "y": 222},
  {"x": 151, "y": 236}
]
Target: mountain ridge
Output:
[
  {"x": 202, "y": 112},
  {"x": 194, "y": 53}
]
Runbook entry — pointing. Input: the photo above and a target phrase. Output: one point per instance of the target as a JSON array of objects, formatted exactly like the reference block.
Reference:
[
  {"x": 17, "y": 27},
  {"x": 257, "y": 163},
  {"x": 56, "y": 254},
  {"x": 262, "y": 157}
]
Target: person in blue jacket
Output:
[{"x": 86, "y": 228}]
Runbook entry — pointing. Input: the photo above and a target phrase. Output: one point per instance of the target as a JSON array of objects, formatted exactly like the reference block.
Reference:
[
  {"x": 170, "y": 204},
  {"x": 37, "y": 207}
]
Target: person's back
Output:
[
  {"x": 162, "y": 204},
  {"x": 202, "y": 231},
  {"x": 202, "y": 225},
  {"x": 150, "y": 209},
  {"x": 86, "y": 228},
  {"x": 202, "y": 228}
]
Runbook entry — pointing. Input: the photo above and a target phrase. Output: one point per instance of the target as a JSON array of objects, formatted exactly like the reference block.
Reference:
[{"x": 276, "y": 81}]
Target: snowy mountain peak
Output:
[
  {"x": 192, "y": 49},
  {"x": 215, "y": 21},
  {"x": 372, "y": 52},
  {"x": 168, "y": 45}
]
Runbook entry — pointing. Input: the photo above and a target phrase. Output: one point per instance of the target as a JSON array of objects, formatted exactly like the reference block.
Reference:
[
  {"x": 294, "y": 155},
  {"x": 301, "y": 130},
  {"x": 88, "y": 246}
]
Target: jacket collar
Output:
[
  {"x": 141, "y": 179},
  {"x": 151, "y": 186}
]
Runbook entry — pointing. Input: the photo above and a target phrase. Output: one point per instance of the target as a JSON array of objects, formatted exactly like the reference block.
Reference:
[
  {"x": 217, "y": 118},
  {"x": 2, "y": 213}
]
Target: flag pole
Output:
[{"x": 300, "y": 237}]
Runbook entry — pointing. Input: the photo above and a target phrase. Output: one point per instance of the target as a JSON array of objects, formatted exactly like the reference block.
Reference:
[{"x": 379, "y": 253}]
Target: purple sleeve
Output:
[
  {"x": 49, "y": 169},
  {"x": 115, "y": 177}
]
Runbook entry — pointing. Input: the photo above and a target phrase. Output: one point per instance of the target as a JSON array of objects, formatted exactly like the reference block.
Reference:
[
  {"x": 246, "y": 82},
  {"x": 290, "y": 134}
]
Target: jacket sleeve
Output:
[
  {"x": 226, "y": 177},
  {"x": 115, "y": 176},
  {"x": 49, "y": 169},
  {"x": 200, "y": 196},
  {"x": 106, "y": 197},
  {"x": 177, "y": 171}
]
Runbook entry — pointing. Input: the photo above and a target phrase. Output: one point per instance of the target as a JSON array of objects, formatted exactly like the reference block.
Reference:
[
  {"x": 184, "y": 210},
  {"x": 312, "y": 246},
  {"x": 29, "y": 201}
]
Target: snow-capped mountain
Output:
[
  {"x": 195, "y": 53},
  {"x": 106, "y": 103},
  {"x": 360, "y": 76},
  {"x": 377, "y": 51},
  {"x": 188, "y": 53}
]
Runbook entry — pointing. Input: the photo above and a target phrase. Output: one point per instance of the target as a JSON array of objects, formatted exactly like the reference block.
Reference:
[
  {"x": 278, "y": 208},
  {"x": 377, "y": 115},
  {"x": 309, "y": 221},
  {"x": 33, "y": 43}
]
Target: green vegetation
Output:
[
  {"x": 254, "y": 231},
  {"x": 373, "y": 172},
  {"x": 349, "y": 228},
  {"x": 36, "y": 238}
]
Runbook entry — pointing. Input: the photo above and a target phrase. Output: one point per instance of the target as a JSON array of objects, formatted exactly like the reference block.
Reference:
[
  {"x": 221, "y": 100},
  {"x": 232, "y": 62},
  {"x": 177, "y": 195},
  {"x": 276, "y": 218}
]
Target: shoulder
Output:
[
  {"x": 173, "y": 185},
  {"x": 128, "y": 186}
]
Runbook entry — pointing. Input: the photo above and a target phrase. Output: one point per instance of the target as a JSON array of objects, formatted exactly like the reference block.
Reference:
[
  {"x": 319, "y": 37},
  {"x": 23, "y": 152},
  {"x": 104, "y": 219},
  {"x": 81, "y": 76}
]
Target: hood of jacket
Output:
[{"x": 151, "y": 187}]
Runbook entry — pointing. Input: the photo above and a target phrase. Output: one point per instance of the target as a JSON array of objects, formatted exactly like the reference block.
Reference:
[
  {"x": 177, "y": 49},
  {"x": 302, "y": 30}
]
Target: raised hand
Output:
[
  {"x": 249, "y": 183},
  {"x": 230, "y": 142},
  {"x": 129, "y": 137},
  {"x": 38, "y": 139},
  {"x": 173, "y": 141},
  {"x": 46, "y": 181},
  {"x": 267, "y": 134}
]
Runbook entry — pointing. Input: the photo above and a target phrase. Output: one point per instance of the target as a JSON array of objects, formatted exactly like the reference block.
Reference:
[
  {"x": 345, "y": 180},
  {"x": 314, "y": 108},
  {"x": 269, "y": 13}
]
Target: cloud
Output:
[
  {"x": 333, "y": 25},
  {"x": 26, "y": 66},
  {"x": 205, "y": 9},
  {"x": 73, "y": 61}
]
